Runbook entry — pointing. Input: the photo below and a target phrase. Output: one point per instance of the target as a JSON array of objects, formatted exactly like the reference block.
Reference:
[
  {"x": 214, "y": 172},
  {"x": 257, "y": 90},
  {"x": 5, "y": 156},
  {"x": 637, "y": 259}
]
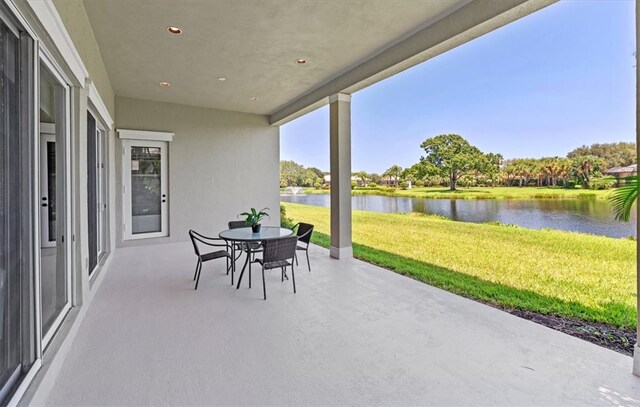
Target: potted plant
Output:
[{"x": 254, "y": 217}]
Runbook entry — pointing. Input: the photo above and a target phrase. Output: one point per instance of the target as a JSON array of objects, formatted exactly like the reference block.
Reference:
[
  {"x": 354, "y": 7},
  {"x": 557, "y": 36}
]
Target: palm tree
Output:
[
  {"x": 394, "y": 173},
  {"x": 564, "y": 170},
  {"x": 362, "y": 175},
  {"x": 623, "y": 198}
]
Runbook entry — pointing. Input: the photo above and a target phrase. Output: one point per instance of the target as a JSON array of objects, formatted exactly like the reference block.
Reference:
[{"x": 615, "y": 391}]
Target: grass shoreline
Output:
[
  {"x": 565, "y": 274},
  {"x": 497, "y": 193}
]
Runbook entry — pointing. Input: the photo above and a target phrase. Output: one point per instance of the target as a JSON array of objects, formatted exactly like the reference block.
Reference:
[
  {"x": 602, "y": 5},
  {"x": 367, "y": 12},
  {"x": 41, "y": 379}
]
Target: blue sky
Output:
[{"x": 550, "y": 82}]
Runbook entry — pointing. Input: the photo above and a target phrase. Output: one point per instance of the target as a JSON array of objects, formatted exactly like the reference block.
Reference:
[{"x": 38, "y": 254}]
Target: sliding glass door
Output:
[
  {"x": 96, "y": 191},
  {"x": 16, "y": 203},
  {"x": 9, "y": 209}
]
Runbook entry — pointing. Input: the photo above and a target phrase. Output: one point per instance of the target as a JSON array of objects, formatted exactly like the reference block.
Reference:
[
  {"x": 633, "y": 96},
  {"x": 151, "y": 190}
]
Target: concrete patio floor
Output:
[{"x": 354, "y": 334}]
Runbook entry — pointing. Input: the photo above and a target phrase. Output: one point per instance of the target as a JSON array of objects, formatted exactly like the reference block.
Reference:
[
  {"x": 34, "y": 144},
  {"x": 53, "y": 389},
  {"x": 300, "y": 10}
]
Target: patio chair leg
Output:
[
  {"x": 308, "y": 262},
  {"x": 227, "y": 266},
  {"x": 233, "y": 268},
  {"x": 199, "y": 271},
  {"x": 264, "y": 287},
  {"x": 282, "y": 274},
  {"x": 196, "y": 273},
  {"x": 295, "y": 256},
  {"x": 250, "y": 273},
  {"x": 293, "y": 277}
]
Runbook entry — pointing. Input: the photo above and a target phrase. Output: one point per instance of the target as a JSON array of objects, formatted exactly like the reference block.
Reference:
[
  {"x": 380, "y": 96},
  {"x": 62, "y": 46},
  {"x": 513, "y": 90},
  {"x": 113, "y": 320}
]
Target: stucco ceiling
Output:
[{"x": 254, "y": 44}]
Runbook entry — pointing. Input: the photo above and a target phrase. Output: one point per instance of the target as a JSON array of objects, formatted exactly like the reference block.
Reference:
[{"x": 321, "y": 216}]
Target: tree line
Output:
[{"x": 450, "y": 160}]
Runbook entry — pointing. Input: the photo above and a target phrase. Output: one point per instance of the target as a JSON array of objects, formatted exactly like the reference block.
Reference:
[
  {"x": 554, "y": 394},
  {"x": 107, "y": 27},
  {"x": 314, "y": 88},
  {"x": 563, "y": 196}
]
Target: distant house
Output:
[
  {"x": 622, "y": 172},
  {"x": 359, "y": 182},
  {"x": 388, "y": 181}
]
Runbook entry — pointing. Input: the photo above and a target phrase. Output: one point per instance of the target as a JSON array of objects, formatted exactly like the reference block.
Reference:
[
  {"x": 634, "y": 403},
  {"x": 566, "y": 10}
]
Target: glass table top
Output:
[{"x": 246, "y": 235}]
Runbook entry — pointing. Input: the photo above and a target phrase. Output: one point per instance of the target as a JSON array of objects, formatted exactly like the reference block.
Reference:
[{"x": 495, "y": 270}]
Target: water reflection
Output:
[{"x": 587, "y": 216}]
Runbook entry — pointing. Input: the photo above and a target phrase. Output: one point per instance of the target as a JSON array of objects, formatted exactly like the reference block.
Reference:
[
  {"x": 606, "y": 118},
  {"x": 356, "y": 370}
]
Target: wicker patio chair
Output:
[
  {"x": 304, "y": 236},
  {"x": 278, "y": 253},
  {"x": 255, "y": 247},
  {"x": 196, "y": 239}
]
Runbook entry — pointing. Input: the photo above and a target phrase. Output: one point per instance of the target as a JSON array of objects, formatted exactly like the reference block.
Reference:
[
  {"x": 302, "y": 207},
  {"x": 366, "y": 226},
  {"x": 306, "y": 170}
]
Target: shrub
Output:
[
  {"x": 404, "y": 185},
  {"x": 373, "y": 185},
  {"x": 602, "y": 183},
  {"x": 419, "y": 183},
  {"x": 284, "y": 221},
  {"x": 317, "y": 185},
  {"x": 353, "y": 184}
]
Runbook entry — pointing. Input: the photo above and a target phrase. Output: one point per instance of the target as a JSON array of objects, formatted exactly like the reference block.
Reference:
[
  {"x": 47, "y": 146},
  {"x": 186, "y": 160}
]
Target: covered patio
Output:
[
  {"x": 354, "y": 334},
  {"x": 167, "y": 119}
]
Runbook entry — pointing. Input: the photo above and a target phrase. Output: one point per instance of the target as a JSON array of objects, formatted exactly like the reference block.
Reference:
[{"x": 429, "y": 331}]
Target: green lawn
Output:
[
  {"x": 552, "y": 272},
  {"x": 480, "y": 193}
]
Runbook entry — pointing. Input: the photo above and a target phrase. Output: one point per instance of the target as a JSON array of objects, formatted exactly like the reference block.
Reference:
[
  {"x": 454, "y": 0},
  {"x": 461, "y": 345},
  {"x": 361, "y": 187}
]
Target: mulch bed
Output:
[{"x": 620, "y": 340}]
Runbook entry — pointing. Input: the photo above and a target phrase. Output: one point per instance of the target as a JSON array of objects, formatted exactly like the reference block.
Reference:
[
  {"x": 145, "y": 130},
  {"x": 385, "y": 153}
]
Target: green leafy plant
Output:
[
  {"x": 285, "y": 221},
  {"x": 254, "y": 217},
  {"x": 623, "y": 198}
]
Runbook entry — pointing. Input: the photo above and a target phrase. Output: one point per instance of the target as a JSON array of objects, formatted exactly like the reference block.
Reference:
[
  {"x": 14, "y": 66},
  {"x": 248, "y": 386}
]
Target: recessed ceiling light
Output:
[
  {"x": 165, "y": 84},
  {"x": 301, "y": 61},
  {"x": 253, "y": 99},
  {"x": 222, "y": 79},
  {"x": 174, "y": 30}
]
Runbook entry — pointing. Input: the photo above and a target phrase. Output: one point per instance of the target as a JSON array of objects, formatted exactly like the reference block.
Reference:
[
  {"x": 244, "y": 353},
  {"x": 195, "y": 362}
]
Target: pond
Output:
[{"x": 576, "y": 215}]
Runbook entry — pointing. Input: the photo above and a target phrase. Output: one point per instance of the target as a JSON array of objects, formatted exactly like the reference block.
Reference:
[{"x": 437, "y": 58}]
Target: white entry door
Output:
[
  {"x": 48, "y": 185},
  {"x": 145, "y": 189}
]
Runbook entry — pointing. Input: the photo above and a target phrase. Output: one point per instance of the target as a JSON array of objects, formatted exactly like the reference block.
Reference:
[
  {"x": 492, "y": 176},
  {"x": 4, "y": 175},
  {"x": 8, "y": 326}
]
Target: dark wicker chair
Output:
[
  {"x": 196, "y": 239},
  {"x": 278, "y": 253},
  {"x": 255, "y": 247},
  {"x": 304, "y": 236}
]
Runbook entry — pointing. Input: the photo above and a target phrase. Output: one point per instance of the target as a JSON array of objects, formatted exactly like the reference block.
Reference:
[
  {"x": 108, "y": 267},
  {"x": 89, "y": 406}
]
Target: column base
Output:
[
  {"x": 636, "y": 360},
  {"x": 341, "y": 252}
]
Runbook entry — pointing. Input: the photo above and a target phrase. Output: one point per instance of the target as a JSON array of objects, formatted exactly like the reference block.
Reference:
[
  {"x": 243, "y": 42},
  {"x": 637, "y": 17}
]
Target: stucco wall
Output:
[
  {"x": 77, "y": 23},
  {"x": 221, "y": 163}
]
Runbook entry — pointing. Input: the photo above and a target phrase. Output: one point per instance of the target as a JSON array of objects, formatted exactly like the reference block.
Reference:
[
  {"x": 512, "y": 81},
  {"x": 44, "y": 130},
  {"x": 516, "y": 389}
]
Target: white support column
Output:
[
  {"x": 340, "y": 152},
  {"x": 636, "y": 350}
]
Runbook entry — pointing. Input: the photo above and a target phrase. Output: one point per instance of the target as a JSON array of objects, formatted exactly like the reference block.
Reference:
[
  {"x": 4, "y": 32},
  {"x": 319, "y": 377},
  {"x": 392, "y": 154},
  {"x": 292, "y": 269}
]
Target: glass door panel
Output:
[
  {"x": 145, "y": 178},
  {"x": 96, "y": 191},
  {"x": 10, "y": 213},
  {"x": 54, "y": 267},
  {"x": 146, "y": 184}
]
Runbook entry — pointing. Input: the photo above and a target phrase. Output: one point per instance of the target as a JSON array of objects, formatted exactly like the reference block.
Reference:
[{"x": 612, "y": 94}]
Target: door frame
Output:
[{"x": 126, "y": 188}]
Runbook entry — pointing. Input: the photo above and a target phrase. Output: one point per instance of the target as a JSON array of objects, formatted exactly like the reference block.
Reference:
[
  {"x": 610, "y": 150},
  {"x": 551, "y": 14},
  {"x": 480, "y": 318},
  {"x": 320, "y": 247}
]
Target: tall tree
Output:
[
  {"x": 619, "y": 154},
  {"x": 452, "y": 155},
  {"x": 586, "y": 166},
  {"x": 565, "y": 166},
  {"x": 291, "y": 174}
]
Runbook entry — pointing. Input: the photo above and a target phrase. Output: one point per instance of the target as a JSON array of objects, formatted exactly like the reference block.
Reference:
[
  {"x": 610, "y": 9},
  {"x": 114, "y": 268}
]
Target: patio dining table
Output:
[{"x": 246, "y": 235}]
